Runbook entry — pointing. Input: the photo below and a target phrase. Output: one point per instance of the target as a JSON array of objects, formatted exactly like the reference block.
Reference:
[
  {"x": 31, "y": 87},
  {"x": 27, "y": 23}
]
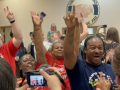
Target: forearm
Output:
[
  {"x": 118, "y": 87},
  {"x": 49, "y": 38},
  {"x": 39, "y": 45},
  {"x": 70, "y": 57},
  {"x": 16, "y": 31},
  {"x": 69, "y": 41},
  {"x": 85, "y": 32},
  {"x": 97, "y": 30},
  {"x": 44, "y": 50},
  {"x": 76, "y": 39},
  {"x": 107, "y": 58},
  {"x": 85, "y": 28},
  {"x": 77, "y": 35}
]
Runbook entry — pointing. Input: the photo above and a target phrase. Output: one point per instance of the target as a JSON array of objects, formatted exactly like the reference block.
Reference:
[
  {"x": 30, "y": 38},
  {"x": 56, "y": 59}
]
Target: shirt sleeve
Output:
[
  {"x": 77, "y": 69},
  {"x": 75, "y": 75},
  {"x": 13, "y": 50},
  {"x": 48, "y": 35},
  {"x": 48, "y": 58}
]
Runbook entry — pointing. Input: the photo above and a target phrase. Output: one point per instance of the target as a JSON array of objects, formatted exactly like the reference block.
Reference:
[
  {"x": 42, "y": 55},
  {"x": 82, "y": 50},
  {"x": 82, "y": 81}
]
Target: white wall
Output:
[
  {"x": 109, "y": 13},
  {"x": 55, "y": 10},
  {"x": 7, "y": 34}
]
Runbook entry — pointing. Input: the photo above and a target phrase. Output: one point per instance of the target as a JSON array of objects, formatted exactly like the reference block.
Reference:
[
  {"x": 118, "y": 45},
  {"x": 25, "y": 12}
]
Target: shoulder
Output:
[
  {"x": 48, "y": 54},
  {"x": 110, "y": 71},
  {"x": 9, "y": 43},
  {"x": 109, "y": 67},
  {"x": 30, "y": 44},
  {"x": 79, "y": 65},
  {"x": 49, "y": 31}
]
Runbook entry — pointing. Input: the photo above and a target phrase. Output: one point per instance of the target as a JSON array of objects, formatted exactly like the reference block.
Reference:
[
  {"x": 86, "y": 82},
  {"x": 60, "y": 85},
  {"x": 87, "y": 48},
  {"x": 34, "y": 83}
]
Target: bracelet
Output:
[{"x": 12, "y": 21}]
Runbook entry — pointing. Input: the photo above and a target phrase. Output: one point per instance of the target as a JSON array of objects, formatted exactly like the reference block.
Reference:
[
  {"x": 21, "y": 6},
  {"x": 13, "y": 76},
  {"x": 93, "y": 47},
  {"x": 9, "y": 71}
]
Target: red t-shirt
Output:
[
  {"x": 59, "y": 64},
  {"x": 35, "y": 88},
  {"x": 8, "y": 52}
]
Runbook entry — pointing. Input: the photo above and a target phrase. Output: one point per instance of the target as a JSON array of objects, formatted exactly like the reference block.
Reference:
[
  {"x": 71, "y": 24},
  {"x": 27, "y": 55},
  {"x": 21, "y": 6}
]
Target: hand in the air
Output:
[{"x": 9, "y": 14}]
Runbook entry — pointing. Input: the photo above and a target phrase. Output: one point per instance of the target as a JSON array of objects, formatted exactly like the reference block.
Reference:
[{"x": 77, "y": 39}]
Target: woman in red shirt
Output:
[{"x": 56, "y": 58}]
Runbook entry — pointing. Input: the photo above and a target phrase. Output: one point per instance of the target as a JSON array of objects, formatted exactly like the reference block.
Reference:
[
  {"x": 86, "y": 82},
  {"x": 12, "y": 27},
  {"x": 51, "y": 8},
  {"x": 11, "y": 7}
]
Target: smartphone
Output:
[
  {"x": 35, "y": 80},
  {"x": 70, "y": 8},
  {"x": 104, "y": 26},
  {"x": 42, "y": 14}
]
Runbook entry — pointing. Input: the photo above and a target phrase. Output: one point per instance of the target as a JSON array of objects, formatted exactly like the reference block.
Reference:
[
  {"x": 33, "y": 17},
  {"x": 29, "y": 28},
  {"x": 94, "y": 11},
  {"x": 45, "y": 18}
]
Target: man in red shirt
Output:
[{"x": 9, "y": 49}]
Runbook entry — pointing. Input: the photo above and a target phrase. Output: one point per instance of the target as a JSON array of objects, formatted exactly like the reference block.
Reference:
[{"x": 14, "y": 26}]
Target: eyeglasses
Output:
[{"x": 26, "y": 61}]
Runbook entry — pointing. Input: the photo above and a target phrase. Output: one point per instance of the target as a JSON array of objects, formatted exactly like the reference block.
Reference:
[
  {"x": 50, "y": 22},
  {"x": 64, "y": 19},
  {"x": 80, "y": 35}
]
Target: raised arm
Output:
[
  {"x": 70, "y": 58},
  {"x": 38, "y": 37},
  {"x": 109, "y": 55},
  {"x": 85, "y": 30},
  {"x": 98, "y": 29},
  {"x": 78, "y": 29},
  {"x": 78, "y": 38},
  {"x": 17, "y": 34}
]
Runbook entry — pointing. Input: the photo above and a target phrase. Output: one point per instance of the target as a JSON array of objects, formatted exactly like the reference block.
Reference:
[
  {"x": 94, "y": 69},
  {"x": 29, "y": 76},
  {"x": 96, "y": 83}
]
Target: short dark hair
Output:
[
  {"x": 65, "y": 30},
  {"x": 31, "y": 33},
  {"x": 20, "y": 57},
  {"x": 8, "y": 81},
  {"x": 11, "y": 34}
]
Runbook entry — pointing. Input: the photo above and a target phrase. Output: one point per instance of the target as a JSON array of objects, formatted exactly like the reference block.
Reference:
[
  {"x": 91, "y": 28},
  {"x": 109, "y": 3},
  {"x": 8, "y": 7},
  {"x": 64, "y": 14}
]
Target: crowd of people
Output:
[{"x": 93, "y": 66}]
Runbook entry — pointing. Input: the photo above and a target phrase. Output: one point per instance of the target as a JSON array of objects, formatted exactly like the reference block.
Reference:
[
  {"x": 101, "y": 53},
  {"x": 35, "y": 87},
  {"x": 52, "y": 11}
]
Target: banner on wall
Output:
[{"x": 90, "y": 9}]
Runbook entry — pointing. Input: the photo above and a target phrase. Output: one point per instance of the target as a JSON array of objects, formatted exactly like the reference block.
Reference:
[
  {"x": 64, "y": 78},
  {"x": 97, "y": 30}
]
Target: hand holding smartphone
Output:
[
  {"x": 42, "y": 15},
  {"x": 104, "y": 26}
]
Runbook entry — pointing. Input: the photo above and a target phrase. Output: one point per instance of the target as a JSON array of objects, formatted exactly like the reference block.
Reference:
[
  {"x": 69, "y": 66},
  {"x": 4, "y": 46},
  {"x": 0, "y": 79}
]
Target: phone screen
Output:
[
  {"x": 36, "y": 80},
  {"x": 42, "y": 14},
  {"x": 104, "y": 26}
]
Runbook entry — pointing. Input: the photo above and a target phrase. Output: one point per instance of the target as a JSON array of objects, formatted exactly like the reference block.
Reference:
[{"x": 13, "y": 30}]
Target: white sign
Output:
[{"x": 90, "y": 9}]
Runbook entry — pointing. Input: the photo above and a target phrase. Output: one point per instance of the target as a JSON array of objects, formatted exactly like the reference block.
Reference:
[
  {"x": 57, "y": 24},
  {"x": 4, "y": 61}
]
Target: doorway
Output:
[
  {"x": 92, "y": 31},
  {"x": 5, "y": 33}
]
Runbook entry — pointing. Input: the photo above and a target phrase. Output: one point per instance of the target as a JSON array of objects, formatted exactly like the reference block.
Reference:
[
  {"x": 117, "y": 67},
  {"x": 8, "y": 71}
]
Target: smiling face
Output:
[
  {"x": 27, "y": 63},
  {"x": 58, "y": 50},
  {"x": 94, "y": 51}
]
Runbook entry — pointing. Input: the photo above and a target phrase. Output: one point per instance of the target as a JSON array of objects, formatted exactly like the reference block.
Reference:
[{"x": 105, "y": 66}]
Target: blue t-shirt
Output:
[{"x": 84, "y": 76}]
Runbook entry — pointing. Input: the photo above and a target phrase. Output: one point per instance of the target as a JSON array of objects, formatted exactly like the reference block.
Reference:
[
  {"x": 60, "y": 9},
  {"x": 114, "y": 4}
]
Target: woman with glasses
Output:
[{"x": 27, "y": 63}]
